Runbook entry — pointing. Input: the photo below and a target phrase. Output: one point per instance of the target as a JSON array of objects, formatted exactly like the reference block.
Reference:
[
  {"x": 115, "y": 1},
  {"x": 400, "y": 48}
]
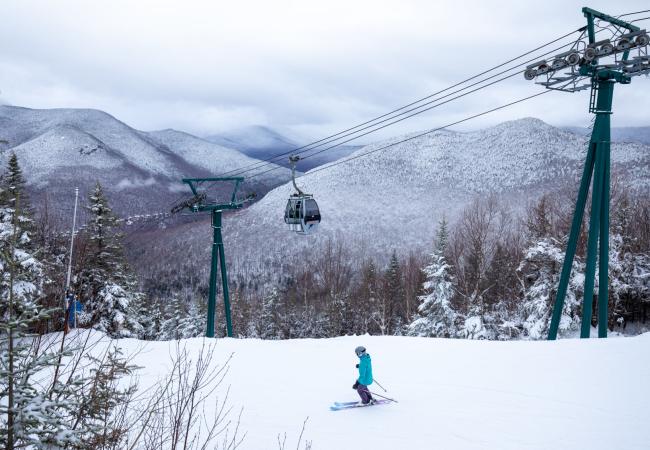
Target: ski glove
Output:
[
  {"x": 355, "y": 385},
  {"x": 357, "y": 366}
]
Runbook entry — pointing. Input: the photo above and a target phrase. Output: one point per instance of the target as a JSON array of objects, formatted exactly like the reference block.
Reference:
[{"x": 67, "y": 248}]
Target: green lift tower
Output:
[
  {"x": 198, "y": 203},
  {"x": 599, "y": 65}
]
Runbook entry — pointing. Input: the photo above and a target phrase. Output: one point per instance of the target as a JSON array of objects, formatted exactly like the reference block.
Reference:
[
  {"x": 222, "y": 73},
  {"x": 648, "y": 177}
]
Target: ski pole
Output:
[
  {"x": 387, "y": 398},
  {"x": 375, "y": 380}
]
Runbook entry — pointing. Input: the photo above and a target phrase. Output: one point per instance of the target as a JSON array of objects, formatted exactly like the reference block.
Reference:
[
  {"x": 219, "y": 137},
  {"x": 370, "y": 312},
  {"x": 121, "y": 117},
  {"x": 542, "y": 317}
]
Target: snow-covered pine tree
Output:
[
  {"x": 172, "y": 326},
  {"x": 13, "y": 186},
  {"x": 436, "y": 317},
  {"x": 193, "y": 324},
  {"x": 393, "y": 297},
  {"x": 105, "y": 285},
  {"x": 367, "y": 296},
  {"x": 150, "y": 316},
  {"x": 270, "y": 321},
  {"x": 14, "y": 219},
  {"x": 540, "y": 273},
  {"x": 442, "y": 236}
]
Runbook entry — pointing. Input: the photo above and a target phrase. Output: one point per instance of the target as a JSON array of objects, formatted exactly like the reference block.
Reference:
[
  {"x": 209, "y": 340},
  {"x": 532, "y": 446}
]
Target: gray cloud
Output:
[{"x": 305, "y": 68}]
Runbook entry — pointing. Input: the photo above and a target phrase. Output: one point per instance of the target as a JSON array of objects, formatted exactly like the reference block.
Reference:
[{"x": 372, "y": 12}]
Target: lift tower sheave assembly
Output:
[
  {"x": 626, "y": 55},
  {"x": 198, "y": 203}
]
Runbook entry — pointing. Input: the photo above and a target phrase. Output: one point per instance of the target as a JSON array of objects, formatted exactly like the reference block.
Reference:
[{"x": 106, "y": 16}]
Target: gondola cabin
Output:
[{"x": 302, "y": 214}]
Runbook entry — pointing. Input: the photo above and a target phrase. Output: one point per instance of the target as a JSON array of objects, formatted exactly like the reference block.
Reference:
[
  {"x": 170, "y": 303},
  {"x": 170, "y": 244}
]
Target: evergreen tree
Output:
[
  {"x": 13, "y": 186},
  {"x": 442, "y": 236},
  {"x": 436, "y": 317},
  {"x": 394, "y": 295},
  {"x": 105, "y": 284},
  {"x": 367, "y": 295},
  {"x": 17, "y": 222},
  {"x": 172, "y": 327},
  {"x": 270, "y": 317},
  {"x": 194, "y": 324},
  {"x": 540, "y": 273}
]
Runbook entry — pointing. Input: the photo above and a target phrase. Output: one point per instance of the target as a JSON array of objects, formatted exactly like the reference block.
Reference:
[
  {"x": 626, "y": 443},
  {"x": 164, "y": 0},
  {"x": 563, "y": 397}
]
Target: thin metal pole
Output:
[
  {"x": 224, "y": 275},
  {"x": 573, "y": 242},
  {"x": 604, "y": 110},
  {"x": 387, "y": 398},
  {"x": 67, "y": 280},
  {"x": 592, "y": 245},
  {"x": 213, "y": 279},
  {"x": 603, "y": 261},
  {"x": 377, "y": 383}
]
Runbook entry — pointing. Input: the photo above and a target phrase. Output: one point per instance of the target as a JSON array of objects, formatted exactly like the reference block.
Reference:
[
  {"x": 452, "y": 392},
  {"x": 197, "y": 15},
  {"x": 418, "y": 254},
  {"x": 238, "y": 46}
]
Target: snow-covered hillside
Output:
[
  {"x": 264, "y": 143},
  {"x": 620, "y": 134},
  {"x": 393, "y": 199},
  {"x": 254, "y": 139},
  {"x": 62, "y": 148},
  {"x": 400, "y": 193},
  {"x": 453, "y": 394}
]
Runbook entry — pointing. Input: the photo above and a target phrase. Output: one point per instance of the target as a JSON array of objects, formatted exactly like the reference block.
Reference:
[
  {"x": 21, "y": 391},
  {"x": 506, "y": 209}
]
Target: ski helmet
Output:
[{"x": 360, "y": 350}]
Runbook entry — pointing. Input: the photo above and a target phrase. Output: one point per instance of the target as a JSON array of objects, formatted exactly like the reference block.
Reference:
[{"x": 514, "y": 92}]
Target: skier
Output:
[{"x": 365, "y": 376}]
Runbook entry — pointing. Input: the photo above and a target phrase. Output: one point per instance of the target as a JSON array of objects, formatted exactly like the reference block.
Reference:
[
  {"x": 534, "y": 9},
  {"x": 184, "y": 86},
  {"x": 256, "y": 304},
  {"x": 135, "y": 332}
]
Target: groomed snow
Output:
[{"x": 453, "y": 394}]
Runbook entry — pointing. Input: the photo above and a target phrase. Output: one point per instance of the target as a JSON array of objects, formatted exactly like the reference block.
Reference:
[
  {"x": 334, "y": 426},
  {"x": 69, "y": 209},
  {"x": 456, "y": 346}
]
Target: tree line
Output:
[{"x": 491, "y": 274}]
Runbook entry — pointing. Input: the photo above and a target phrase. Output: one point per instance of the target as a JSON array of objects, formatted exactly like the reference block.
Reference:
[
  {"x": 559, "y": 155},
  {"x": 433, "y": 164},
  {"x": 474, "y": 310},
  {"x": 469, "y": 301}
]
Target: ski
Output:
[
  {"x": 345, "y": 403},
  {"x": 337, "y": 406}
]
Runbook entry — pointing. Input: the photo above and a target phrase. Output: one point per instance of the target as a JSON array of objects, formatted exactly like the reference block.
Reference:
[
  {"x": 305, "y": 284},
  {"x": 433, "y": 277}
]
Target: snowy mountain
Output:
[
  {"x": 393, "y": 199},
  {"x": 62, "y": 148},
  {"x": 620, "y": 134},
  {"x": 257, "y": 139},
  {"x": 452, "y": 394},
  {"x": 263, "y": 143}
]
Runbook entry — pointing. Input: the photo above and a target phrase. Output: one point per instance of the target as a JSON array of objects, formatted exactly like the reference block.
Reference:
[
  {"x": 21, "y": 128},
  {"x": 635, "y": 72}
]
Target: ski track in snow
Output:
[{"x": 453, "y": 394}]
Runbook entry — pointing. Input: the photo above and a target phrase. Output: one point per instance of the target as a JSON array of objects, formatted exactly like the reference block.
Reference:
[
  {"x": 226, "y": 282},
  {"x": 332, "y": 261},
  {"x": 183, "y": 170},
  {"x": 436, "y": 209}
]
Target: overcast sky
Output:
[{"x": 306, "y": 68}]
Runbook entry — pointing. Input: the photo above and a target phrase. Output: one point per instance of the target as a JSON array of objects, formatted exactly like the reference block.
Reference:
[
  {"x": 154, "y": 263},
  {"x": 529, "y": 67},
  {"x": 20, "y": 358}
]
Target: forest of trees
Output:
[{"x": 491, "y": 274}]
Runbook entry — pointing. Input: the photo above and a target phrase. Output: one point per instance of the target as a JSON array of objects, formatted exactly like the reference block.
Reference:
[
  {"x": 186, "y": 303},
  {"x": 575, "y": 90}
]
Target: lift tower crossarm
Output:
[
  {"x": 198, "y": 204},
  {"x": 234, "y": 204},
  {"x": 592, "y": 14}
]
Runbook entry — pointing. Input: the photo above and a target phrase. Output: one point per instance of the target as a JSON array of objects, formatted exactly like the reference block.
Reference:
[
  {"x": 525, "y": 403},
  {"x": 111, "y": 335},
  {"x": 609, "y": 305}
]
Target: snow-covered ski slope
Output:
[{"x": 453, "y": 394}]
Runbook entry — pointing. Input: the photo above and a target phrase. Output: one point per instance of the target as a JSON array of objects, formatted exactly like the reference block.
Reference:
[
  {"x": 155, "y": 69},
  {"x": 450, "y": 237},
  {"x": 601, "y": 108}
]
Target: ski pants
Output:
[{"x": 364, "y": 393}]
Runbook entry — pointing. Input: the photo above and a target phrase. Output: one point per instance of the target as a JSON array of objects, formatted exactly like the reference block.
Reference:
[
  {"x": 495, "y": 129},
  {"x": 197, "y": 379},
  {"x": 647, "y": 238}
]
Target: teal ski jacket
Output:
[{"x": 365, "y": 370}]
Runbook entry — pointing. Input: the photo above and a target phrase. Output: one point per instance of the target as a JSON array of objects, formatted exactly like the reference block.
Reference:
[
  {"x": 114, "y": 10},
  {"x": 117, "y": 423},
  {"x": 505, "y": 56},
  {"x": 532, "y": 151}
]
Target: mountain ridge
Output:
[
  {"x": 393, "y": 199},
  {"x": 62, "y": 148}
]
